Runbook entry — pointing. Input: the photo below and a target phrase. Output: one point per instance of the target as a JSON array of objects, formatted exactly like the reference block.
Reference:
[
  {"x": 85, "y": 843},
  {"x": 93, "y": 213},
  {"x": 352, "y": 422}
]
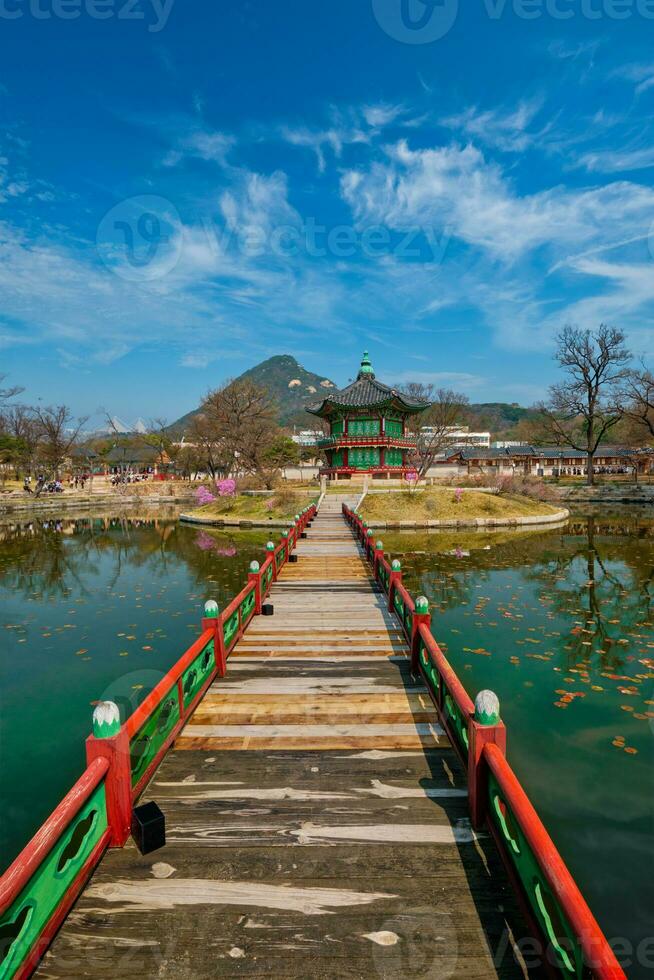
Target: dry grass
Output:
[
  {"x": 281, "y": 506},
  {"x": 436, "y": 504}
]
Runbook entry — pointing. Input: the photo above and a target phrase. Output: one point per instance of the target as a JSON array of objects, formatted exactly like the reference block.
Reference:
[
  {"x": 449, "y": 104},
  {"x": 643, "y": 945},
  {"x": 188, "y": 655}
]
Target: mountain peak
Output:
[{"x": 290, "y": 384}]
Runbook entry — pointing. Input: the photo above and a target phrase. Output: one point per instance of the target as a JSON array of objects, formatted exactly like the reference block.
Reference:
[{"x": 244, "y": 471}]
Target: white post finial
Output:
[
  {"x": 106, "y": 719},
  {"x": 487, "y": 708}
]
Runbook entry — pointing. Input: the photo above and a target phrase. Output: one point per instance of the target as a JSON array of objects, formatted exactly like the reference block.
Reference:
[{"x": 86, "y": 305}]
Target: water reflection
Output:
[
  {"x": 92, "y": 608},
  {"x": 560, "y": 624}
]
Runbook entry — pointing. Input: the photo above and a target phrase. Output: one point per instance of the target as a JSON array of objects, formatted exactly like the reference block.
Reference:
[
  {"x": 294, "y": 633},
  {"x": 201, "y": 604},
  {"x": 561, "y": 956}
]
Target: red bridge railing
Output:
[
  {"x": 572, "y": 943},
  {"x": 41, "y": 885}
]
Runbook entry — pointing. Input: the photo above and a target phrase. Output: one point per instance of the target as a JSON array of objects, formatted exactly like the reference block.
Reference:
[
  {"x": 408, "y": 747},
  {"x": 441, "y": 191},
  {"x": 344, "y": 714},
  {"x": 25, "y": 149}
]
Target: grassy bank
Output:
[
  {"x": 281, "y": 506},
  {"x": 441, "y": 504}
]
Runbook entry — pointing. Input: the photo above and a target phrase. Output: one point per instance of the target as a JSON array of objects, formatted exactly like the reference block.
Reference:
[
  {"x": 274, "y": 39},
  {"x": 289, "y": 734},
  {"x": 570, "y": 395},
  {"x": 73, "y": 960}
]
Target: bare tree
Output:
[
  {"x": 638, "y": 399},
  {"x": 239, "y": 421},
  {"x": 19, "y": 423},
  {"x": 582, "y": 409},
  {"x": 58, "y": 433},
  {"x": 159, "y": 438},
  {"x": 7, "y": 393},
  {"x": 447, "y": 411}
]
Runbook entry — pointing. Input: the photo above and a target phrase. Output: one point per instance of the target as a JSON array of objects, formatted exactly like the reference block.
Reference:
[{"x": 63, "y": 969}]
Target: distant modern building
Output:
[
  {"x": 307, "y": 437},
  {"x": 367, "y": 428},
  {"x": 458, "y": 436}
]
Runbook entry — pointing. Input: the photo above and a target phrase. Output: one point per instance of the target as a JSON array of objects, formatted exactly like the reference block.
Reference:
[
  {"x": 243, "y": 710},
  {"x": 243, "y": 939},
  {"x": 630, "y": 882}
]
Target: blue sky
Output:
[{"x": 190, "y": 186}]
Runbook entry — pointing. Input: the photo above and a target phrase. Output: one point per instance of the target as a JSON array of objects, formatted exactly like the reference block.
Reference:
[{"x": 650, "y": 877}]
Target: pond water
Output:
[
  {"x": 93, "y": 608},
  {"x": 560, "y": 624}
]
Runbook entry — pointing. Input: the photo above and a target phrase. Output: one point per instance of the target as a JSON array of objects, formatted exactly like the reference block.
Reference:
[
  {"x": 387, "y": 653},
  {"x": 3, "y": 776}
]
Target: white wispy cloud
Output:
[
  {"x": 203, "y": 144},
  {"x": 258, "y": 202},
  {"x": 382, "y": 114},
  {"x": 347, "y": 126},
  {"x": 457, "y": 188},
  {"x": 505, "y": 129},
  {"x": 617, "y": 161},
  {"x": 639, "y": 73},
  {"x": 318, "y": 140}
]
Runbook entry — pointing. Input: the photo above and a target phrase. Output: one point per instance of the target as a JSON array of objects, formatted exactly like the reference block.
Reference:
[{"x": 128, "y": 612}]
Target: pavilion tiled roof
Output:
[{"x": 367, "y": 392}]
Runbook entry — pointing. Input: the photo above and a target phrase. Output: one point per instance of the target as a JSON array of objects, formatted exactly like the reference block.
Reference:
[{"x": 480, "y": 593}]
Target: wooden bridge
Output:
[{"x": 335, "y": 805}]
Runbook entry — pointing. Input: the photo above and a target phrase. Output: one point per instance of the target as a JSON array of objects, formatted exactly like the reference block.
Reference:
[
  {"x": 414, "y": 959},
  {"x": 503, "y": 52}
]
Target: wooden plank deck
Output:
[{"x": 316, "y": 815}]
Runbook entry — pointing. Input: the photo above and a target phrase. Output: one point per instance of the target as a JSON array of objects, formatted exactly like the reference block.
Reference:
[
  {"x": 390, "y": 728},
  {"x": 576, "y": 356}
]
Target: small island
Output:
[
  {"x": 454, "y": 507},
  {"x": 275, "y": 509}
]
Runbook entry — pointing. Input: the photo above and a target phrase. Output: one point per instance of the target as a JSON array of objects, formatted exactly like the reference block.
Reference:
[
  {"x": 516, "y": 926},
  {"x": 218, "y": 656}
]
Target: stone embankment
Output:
[
  {"x": 606, "y": 494},
  {"x": 50, "y": 503}
]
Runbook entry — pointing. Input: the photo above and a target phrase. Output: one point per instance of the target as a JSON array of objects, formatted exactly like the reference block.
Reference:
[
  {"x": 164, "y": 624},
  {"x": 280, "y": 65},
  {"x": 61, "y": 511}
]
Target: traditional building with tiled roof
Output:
[{"x": 367, "y": 428}]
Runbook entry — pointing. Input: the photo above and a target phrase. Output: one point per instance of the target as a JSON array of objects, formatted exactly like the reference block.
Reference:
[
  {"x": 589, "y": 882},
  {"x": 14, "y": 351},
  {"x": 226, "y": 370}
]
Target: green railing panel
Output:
[
  {"x": 197, "y": 673},
  {"x": 546, "y": 909},
  {"x": 455, "y": 718},
  {"x": 230, "y": 629},
  {"x": 457, "y": 722},
  {"x": 393, "y": 457},
  {"x": 151, "y": 736},
  {"x": 27, "y": 917},
  {"x": 247, "y": 606},
  {"x": 393, "y": 427},
  {"x": 431, "y": 675}
]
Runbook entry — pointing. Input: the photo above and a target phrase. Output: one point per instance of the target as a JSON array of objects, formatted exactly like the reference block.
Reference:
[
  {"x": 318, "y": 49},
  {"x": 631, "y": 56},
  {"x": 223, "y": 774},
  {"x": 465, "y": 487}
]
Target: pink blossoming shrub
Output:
[
  {"x": 458, "y": 495},
  {"x": 204, "y": 496},
  {"x": 227, "y": 488}
]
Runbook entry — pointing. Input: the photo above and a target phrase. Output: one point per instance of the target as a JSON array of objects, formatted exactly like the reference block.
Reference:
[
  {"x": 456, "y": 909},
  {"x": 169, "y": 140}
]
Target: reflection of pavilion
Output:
[{"x": 367, "y": 428}]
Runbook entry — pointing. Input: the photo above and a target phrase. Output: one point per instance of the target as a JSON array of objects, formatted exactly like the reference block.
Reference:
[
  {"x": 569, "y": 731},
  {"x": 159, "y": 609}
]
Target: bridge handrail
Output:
[
  {"x": 34, "y": 853},
  {"x": 141, "y": 714},
  {"x": 553, "y": 903},
  {"x": 511, "y": 810},
  {"x": 69, "y": 844},
  {"x": 452, "y": 701},
  {"x": 111, "y": 783}
]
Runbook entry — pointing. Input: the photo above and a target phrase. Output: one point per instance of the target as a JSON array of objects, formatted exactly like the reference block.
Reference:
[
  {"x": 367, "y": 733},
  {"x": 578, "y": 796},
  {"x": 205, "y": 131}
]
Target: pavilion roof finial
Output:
[{"x": 366, "y": 370}]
